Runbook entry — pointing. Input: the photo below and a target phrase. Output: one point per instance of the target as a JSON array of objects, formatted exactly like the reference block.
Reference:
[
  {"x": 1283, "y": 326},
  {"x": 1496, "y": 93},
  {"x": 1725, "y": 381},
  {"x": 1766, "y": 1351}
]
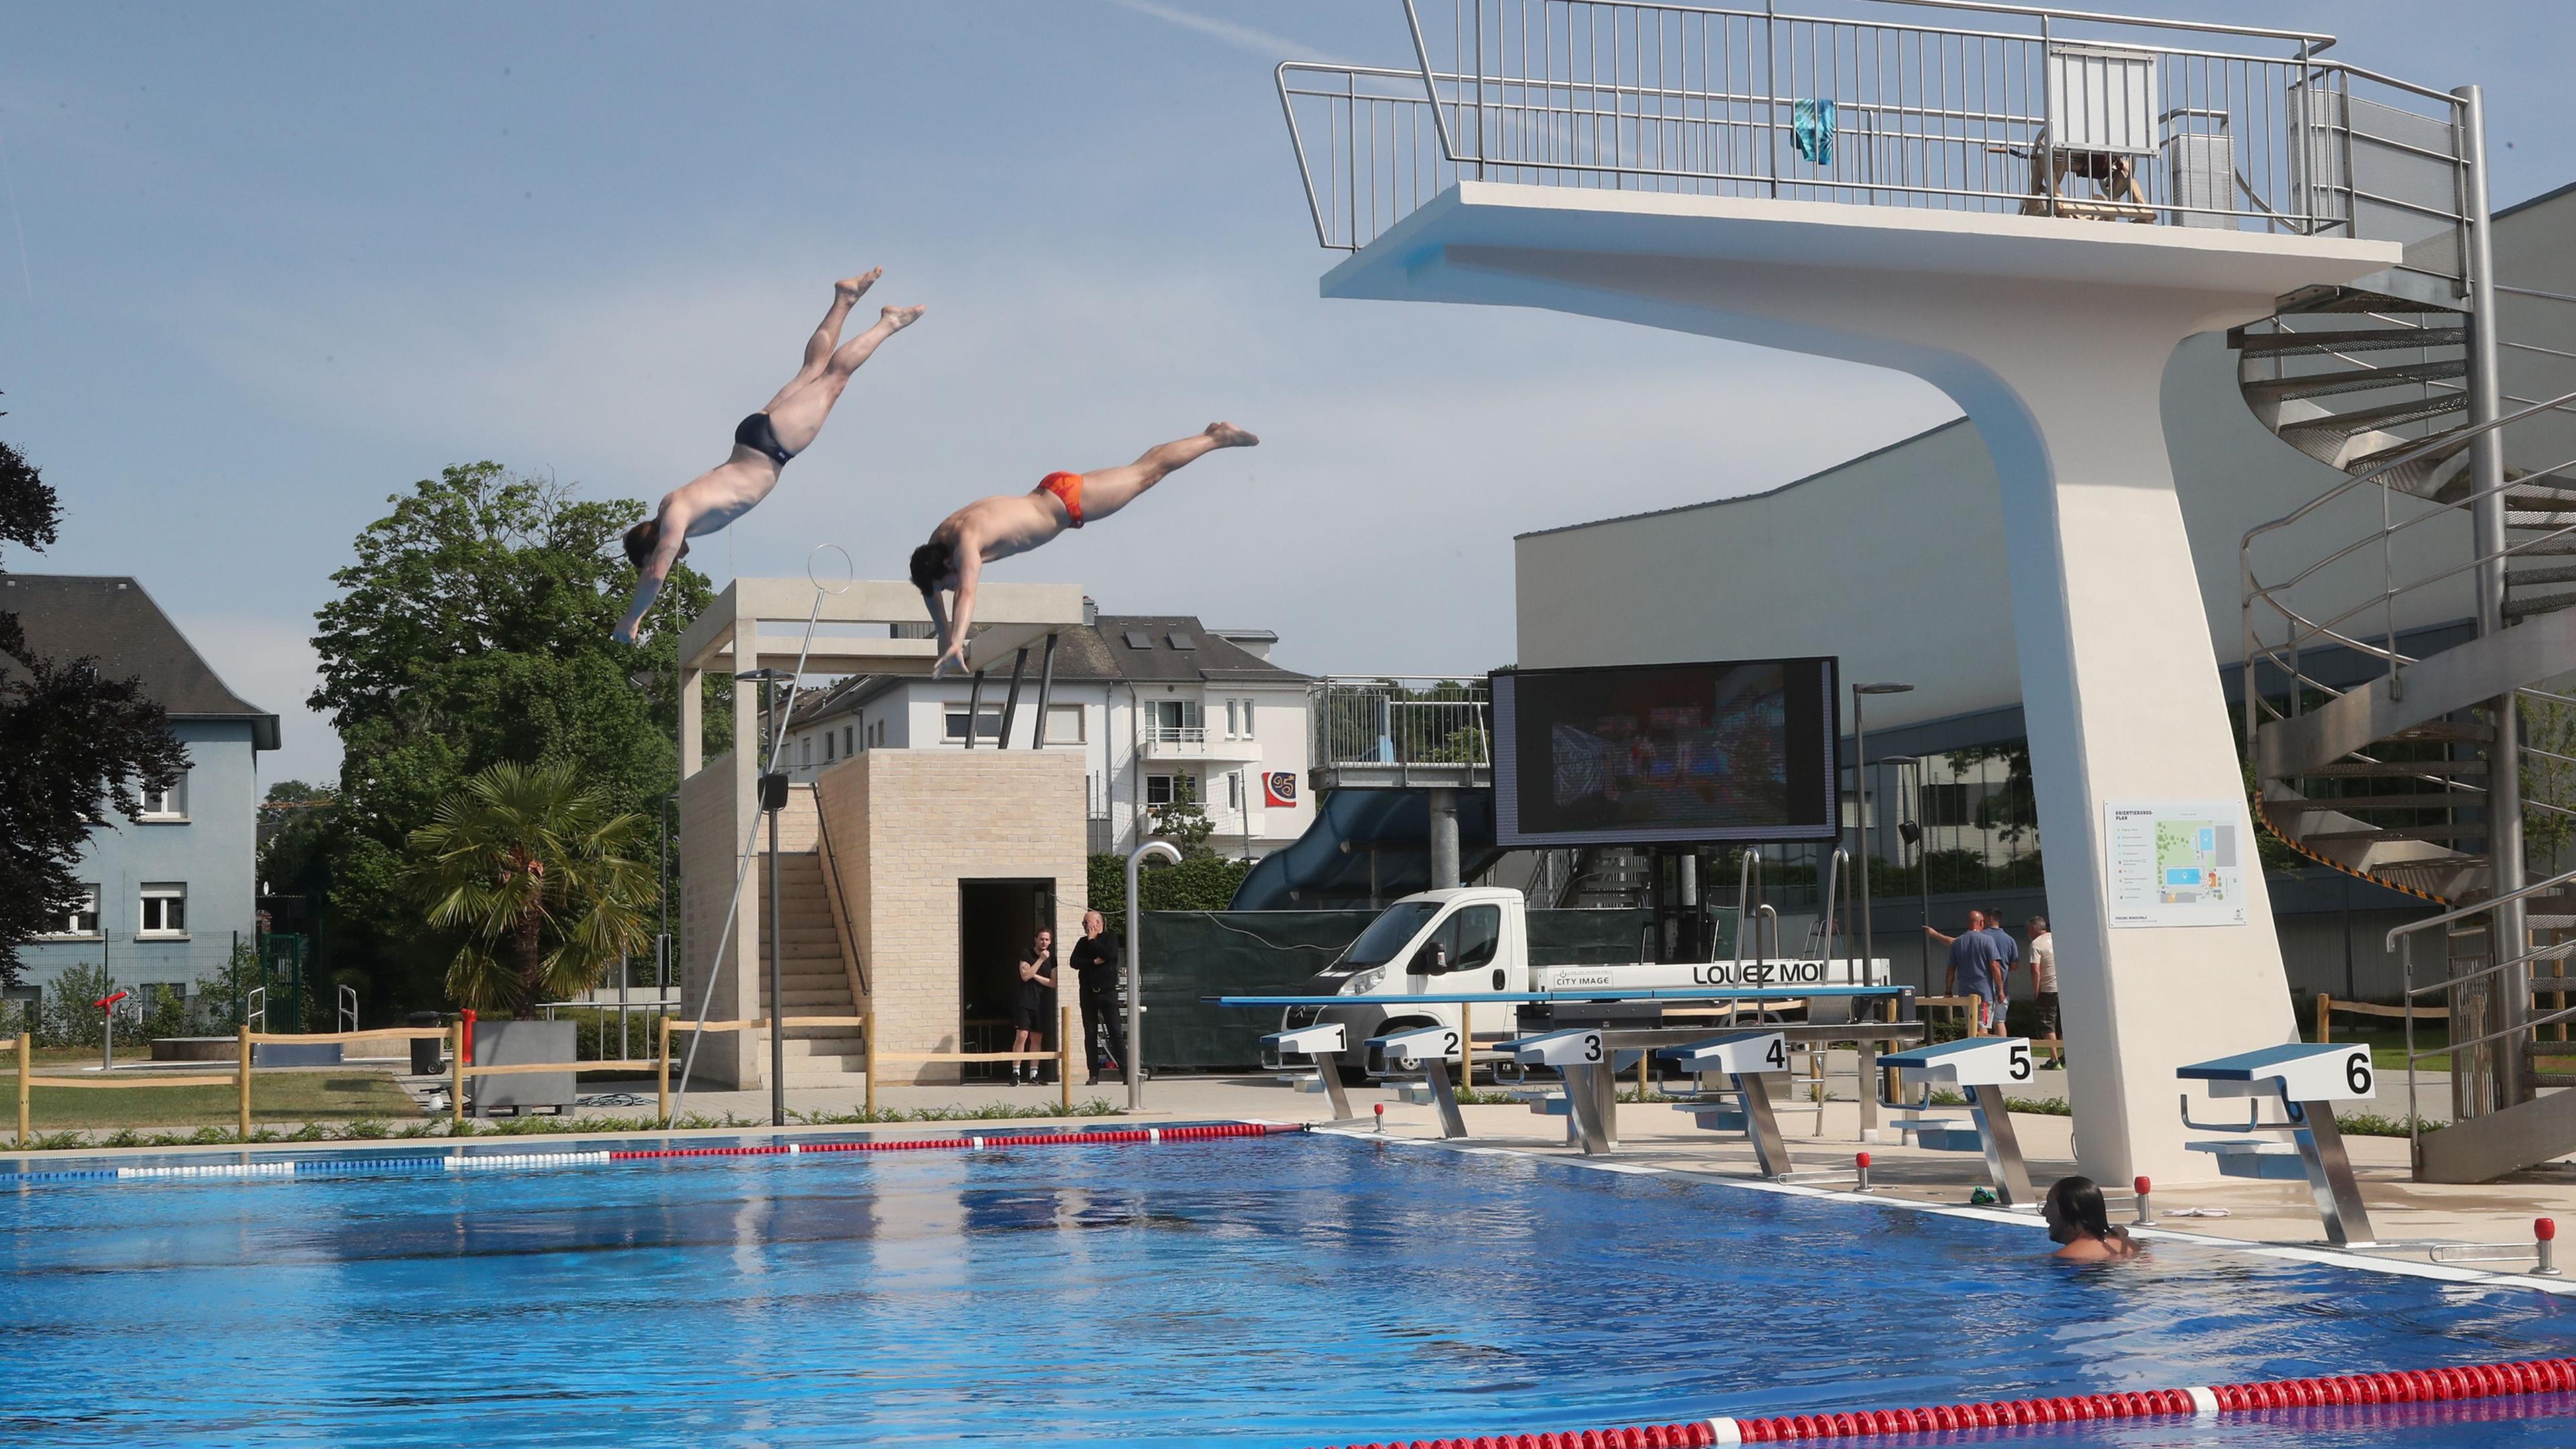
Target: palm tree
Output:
[{"x": 543, "y": 880}]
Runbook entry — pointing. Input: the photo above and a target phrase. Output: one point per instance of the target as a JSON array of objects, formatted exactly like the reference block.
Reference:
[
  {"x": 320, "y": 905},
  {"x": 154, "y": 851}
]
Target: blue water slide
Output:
[{"x": 1329, "y": 865}]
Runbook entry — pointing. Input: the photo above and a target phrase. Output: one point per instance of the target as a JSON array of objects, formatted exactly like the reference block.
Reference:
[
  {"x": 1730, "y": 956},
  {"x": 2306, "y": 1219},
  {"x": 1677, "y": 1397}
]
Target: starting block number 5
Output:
[{"x": 2020, "y": 1068}]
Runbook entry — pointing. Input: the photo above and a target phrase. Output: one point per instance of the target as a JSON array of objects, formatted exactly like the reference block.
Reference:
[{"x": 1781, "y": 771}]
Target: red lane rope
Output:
[
  {"x": 2405, "y": 1386},
  {"x": 1204, "y": 1133}
]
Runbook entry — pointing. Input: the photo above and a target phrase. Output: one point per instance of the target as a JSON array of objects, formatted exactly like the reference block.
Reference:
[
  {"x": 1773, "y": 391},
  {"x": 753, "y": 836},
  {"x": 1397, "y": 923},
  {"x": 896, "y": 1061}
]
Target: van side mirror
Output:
[{"x": 1431, "y": 960}]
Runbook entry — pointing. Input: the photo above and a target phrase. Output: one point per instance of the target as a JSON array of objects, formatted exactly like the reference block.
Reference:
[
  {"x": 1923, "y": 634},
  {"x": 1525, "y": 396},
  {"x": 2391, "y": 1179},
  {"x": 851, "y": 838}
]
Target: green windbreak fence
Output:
[{"x": 1190, "y": 954}]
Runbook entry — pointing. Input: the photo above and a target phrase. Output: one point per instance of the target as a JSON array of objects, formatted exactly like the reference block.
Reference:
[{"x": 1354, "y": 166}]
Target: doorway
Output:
[{"x": 996, "y": 922}]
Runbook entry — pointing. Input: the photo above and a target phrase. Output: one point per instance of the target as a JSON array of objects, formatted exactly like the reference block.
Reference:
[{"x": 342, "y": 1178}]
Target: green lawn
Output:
[
  {"x": 2388, "y": 1043},
  {"x": 197, "y": 1101}
]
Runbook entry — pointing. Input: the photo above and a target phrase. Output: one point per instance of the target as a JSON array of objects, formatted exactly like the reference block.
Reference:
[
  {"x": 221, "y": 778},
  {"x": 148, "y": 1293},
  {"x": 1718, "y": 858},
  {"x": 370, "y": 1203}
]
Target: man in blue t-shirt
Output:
[
  {"x": 1972, "y": 969},
  {"x": 2007, "y": 956}
]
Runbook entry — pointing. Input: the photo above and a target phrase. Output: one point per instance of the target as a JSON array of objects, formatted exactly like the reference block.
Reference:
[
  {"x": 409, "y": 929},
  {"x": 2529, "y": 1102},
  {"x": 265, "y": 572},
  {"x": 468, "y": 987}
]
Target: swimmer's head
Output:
[
  {"x": 2074, "y": 1210},
  {"x": 929, "y": 563},
  {"x": 643, "y": 538}
]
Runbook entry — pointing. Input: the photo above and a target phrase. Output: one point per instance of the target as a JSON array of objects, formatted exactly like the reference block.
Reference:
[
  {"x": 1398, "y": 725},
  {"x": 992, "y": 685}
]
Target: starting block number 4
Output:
[{"x": 1745, "y": 1054}]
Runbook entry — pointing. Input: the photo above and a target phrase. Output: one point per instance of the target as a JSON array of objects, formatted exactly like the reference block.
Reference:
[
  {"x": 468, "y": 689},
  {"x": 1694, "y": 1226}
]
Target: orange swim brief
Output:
[{"x": 1067, "y": 487}]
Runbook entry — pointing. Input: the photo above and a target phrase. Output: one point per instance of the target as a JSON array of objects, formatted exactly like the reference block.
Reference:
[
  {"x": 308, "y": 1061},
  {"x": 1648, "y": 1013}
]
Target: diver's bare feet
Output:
[
  {"x": 1227, "y": 435},
  {"x": 850, "y": 289},
  {"x": 901, "y": 317}
]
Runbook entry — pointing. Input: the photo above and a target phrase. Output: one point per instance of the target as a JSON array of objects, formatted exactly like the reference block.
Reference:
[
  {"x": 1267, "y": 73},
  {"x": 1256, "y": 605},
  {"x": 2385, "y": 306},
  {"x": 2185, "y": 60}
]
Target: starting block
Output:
[
  {"x": 1426, "y": 1049},
  {"x": 1325, "y": 1043},
  {"x": 1748, "y": 1060},
  {"x": 1584, "y": 1057},
  {"x": 2307, "y": 1079},
  {"x": 1981, "y": 1067}
]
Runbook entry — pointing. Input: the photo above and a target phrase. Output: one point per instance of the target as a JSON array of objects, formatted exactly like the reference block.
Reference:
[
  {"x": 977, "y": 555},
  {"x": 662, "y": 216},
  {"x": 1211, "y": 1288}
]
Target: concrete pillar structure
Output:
[
  {"x": 2052, "y": 335},
  {"x": 765, "y": 623},
  {"x": 1444, "y": 839}
]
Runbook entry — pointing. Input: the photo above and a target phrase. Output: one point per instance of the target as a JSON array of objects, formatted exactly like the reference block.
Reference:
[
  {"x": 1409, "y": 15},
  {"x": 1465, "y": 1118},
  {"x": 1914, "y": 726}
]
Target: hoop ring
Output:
[{"x": 849, "y": 575}]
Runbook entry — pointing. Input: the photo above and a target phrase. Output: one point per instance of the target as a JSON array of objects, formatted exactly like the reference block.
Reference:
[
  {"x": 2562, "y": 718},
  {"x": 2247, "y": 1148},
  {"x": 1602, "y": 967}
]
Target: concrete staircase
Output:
[{"x": 814, "y": 975}]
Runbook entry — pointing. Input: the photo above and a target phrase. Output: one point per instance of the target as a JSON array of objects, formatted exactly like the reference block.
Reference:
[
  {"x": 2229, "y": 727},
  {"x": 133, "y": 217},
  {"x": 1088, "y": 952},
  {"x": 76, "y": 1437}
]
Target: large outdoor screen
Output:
[{"x": 1725, "y": 751}]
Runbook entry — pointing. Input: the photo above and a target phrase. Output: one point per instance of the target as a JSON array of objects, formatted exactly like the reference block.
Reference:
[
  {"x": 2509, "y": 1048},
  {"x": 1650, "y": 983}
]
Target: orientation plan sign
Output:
[{"x": 2175, "y": 863}]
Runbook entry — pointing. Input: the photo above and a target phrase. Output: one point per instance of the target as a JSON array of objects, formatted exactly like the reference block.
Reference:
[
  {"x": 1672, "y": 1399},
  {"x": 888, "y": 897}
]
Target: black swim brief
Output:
[{"x": 756, "y": 433}]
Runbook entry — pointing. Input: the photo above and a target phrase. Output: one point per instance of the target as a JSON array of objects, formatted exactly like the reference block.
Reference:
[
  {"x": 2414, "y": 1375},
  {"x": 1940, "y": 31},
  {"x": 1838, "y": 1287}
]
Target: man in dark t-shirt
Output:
[
  {"x": 1036, "y": 1015},
  {"x": 1098, "y": 956}
]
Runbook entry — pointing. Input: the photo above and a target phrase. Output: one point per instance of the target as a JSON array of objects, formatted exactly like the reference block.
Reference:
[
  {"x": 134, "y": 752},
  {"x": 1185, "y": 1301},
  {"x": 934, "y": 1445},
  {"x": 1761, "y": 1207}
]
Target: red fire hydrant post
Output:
[
  {"x": 2145, "y": 1218},
  {"x": 2544, "y": 1242},
  {"x": 107, "y": 1011}
]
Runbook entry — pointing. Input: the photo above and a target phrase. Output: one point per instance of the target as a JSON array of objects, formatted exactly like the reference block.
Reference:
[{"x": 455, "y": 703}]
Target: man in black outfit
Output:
[
  {"x": 1097, "y": 956},
  {"x": 1037, "y": 1007}
]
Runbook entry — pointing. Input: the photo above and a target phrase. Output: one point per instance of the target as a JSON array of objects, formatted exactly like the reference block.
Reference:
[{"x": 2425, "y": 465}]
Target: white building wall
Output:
[
  {"x": 1114, "y": 719},
  {"x": 1777, "y": 573}
]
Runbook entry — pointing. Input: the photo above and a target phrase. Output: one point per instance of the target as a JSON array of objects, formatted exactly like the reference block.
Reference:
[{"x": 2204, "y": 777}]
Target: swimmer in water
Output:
[
  {"x": 2080, "y": 1223},
  {"x": 762, "y": 444},
  {"x": 996, "y": 528}
]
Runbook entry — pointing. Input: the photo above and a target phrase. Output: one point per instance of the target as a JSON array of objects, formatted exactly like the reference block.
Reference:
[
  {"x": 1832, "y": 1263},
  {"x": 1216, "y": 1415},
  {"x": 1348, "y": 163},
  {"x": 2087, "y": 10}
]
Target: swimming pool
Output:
[{"x": 1296, "y": 1290}]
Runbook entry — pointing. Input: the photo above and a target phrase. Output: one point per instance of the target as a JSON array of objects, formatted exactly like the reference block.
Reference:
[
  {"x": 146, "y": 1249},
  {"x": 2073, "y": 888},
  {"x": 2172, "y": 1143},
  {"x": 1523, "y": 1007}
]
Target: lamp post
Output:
[
  {"x": 1911, "y": 832},
  {"x": 1860, "y": 810},
  {"x": 773, "y": 799},
  {"x": 1155, "y": 850}
]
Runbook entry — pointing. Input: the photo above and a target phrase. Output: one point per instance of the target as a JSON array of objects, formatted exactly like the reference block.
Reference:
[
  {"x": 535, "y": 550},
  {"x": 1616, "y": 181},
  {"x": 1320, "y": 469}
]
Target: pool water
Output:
[{"x": 1295, "y": 1290}]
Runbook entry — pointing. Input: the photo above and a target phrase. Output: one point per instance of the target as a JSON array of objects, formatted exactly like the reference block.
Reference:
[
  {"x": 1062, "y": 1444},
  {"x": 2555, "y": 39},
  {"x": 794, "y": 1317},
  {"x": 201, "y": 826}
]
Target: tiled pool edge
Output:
[{"x": 2439, "y": 1272}]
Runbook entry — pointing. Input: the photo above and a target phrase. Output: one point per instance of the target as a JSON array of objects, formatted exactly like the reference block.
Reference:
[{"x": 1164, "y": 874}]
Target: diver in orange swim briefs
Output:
[{"x": 996, "y": 528}]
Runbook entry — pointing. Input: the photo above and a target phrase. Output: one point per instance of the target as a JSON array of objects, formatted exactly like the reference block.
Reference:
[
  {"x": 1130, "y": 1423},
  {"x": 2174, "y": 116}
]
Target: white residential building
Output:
[{"x": 1161, "y": 708}]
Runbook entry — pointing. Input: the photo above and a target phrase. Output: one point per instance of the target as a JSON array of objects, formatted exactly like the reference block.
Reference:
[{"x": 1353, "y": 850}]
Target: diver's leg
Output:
[
  {"x": 1110, "y": 489},
  {"x": 797, "y": 413}
]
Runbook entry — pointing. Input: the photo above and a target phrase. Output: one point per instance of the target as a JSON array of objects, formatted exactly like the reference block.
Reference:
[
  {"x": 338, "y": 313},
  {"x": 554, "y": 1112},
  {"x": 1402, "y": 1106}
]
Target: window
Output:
[
  {"x": 1465, "y": 941},
  {"x": 1179, "y": 722},
  {"x": 170, "y": 804},
  {"x": 1170, "y": 789},
  {"x": 848, "y": 733},
  {"x": 828, "y": 741},
  {"x": 809, "y": 751},
  {"x": 1233, "y": 727},
  {"x": 1064, "y": 724},
  {"x": 1180, "y": 640},
  {"x": 988, "y": 723},
  {"x": 165, "y": 909},
  {"x": 82, "y": 919},
  {"x": 1247, "y": 720},
  {"x": 1139, "y": 639}
]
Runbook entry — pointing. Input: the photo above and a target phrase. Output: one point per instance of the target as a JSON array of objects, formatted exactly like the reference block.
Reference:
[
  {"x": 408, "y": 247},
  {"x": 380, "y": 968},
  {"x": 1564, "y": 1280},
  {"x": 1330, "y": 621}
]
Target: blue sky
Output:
[{"x": 266, "y": 264}]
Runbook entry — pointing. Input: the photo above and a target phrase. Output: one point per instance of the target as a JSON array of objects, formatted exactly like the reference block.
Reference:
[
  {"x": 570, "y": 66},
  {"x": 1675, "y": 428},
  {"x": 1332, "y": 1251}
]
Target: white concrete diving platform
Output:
[{"x": 2052, "y": 334}]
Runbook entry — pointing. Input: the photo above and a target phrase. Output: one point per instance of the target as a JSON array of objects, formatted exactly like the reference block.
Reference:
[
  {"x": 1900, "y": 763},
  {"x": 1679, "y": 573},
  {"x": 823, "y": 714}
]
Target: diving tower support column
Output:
[{"x": 2052, "y": 336}]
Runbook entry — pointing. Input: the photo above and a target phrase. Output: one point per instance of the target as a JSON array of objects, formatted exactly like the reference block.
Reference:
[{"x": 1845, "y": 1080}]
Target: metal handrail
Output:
[
  {"x": 1611, "y": 94},
  {"x": 2402, "y": 939}
]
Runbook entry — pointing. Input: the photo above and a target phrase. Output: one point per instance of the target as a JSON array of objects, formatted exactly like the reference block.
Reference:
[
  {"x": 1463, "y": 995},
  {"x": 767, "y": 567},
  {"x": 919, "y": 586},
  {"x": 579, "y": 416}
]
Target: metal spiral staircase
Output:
[{"x": 2398, "y": 753}]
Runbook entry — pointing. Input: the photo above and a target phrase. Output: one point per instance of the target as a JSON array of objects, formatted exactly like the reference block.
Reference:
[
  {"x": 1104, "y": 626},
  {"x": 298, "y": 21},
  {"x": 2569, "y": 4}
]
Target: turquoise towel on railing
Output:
[{"x": 1811, "y": 127}]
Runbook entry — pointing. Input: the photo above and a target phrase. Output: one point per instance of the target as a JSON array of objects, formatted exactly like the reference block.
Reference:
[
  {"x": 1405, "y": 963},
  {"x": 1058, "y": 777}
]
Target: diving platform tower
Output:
[{"x": 2029, "y": 209}]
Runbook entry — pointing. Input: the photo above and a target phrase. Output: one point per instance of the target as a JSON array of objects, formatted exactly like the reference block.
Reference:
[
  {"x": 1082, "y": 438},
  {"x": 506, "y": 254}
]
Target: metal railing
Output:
[
  {"x": 1400, "y": 720},
  {"x": 2278, "y": 680},
  {"x": 2470, "y": 1010},
  {"x": 1975, "y": 107}
]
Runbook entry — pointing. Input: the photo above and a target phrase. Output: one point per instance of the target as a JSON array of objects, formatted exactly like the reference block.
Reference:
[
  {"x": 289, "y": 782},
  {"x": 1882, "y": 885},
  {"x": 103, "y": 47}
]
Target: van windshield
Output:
[{"x": 1387, "y": 935}]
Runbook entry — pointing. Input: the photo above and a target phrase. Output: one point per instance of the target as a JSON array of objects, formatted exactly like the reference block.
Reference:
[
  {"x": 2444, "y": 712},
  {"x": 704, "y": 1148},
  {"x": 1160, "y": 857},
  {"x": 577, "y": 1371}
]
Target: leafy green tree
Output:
[
  {"x": 1185, "y": 824},
  {"x": 1205, "y": 884},
  {"x": 73, "y": 743},
  {"x": 543, "y": 879},
  {"x": 472, "y": 629}
]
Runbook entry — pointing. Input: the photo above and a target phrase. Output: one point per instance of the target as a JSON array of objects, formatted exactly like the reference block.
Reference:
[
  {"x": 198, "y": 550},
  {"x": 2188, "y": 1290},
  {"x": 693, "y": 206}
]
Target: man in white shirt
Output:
[{"x": 2043, "y": 969}]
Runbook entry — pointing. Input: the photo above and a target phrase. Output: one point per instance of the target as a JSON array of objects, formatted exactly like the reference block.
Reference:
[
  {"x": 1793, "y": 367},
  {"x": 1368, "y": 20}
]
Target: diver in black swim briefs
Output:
[
  {"x": 762, "y": 444},
  {"x": 761, "y": 436}
]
